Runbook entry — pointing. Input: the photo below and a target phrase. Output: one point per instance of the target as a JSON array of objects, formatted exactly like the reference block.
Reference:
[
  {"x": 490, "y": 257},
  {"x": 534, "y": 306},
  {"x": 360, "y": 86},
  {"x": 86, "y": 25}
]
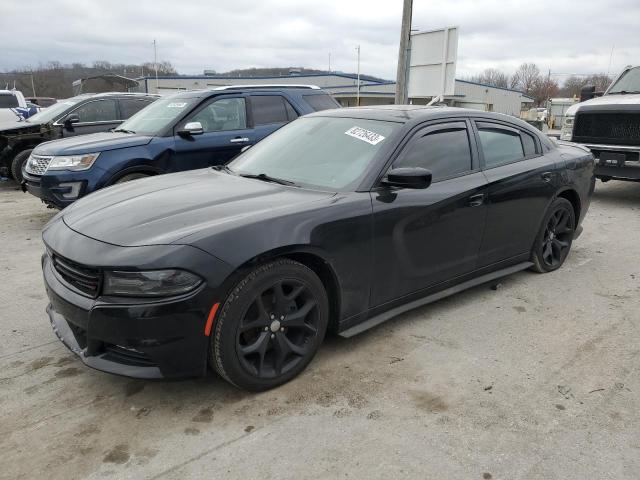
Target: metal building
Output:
[{"x": 343, "y": 87}]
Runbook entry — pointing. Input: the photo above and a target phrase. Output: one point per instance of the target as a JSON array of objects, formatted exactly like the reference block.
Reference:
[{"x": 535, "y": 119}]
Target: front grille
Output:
[
  {"x": 127, "y": 356},
  {"x": 85, "y": 279},
  {"x": 614, "y": 128},
  {"x": 37, "y": 164}
]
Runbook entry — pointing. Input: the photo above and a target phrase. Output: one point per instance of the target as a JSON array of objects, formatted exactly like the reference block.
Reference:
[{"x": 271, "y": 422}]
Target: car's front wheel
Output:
[
  {"x": 554, "y": 239},
  {"x": 270, "y": 326},
  {"x": 18, "y": 162}
]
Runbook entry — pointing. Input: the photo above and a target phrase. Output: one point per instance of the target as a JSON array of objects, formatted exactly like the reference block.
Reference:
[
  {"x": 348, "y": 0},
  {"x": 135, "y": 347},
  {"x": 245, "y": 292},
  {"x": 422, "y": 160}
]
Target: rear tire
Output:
[
  {"x": 555, "y": 237},
  {"x": 131, "y": 176},
  {"x": 18, "y": 162},
  {"x": 270, "y": 326}
]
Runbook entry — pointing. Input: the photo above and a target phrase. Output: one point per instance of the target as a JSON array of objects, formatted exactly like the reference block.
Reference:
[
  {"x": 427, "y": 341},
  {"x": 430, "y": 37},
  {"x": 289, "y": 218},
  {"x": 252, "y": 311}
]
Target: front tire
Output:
[
  {"x": 131, "y": 176},
  {"x": 270, "y": 326},
  {"x": 555, "y": 237},
  {"x": 18, "y": 162}
]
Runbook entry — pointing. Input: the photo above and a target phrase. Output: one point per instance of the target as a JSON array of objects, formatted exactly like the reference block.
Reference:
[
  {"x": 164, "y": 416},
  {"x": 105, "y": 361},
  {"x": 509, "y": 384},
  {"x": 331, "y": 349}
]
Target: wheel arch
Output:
[
  {"x": 313, "y": 259},
  {"x": 572, "y": 196},
  {"x": 140, "y": 168}
]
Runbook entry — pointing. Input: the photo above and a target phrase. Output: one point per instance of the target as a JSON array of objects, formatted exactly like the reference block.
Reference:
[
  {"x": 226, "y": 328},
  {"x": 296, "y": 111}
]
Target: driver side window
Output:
[
  {"x": 222, "y": 115},
  {"x": 444, "y": 151}
]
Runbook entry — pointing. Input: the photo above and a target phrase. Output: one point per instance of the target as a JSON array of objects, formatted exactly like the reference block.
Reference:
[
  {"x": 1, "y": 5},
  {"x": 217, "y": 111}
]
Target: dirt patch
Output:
[
  {"x": 118, "y": 454},
  {"x": 429, "y": 402}
]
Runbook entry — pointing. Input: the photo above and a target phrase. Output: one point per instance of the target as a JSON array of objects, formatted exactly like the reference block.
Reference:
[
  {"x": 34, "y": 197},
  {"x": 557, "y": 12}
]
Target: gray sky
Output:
[{"x": 564, "y": 36}]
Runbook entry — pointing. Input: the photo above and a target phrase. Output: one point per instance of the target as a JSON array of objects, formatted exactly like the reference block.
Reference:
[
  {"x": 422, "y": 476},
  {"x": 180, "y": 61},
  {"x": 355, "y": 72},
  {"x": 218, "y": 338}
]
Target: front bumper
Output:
[
  {"x": 142, "y": 338},
  {"x": 53, "y": 190},
  {"x": 162, "y": 339}
]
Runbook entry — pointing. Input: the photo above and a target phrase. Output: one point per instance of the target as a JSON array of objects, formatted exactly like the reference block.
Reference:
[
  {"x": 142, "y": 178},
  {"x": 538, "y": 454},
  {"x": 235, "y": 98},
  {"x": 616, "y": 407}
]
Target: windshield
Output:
[
  {"x": 152, "y": 120},
  {"x": 324, "y": 152},
  {"x": 55, "y": 110},
  {"x": 629, "y": 82}
]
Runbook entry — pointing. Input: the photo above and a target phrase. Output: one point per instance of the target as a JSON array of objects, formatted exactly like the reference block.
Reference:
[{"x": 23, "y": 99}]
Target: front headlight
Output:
[
  {"x": 154, "y": 283},
  {"x": 567, "y": 128},
  {"x": 73, "y": 162}
]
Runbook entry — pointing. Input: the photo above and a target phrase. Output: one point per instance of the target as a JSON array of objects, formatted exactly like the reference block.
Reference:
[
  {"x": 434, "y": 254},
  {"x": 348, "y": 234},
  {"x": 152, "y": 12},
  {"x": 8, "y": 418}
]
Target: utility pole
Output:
[
  {"x": 329, "y": 62},
  {"x": 358, "y": 88},
  {"x": 33, "y": 87},
  {"x": 155, "y": 62},
  {"x": 402, "y": 96}
]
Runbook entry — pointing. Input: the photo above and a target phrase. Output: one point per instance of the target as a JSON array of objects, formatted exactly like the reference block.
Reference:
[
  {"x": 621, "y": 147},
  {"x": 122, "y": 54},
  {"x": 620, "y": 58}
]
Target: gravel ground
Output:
[{"x": 535, "y": 380}]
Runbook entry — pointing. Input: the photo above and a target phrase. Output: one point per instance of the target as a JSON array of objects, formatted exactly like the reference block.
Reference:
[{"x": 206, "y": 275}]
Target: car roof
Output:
[
  {"x": 414, "y": 114},
  {"x": 117, "y": 94},
  {"x": 203, "y": 93}
]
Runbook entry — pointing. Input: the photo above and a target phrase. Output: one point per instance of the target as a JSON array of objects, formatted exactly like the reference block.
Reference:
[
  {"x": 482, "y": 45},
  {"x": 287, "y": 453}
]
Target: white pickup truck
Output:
[
  {"x": 610, "y": 127},
  {"x": 13, "y": 106}
]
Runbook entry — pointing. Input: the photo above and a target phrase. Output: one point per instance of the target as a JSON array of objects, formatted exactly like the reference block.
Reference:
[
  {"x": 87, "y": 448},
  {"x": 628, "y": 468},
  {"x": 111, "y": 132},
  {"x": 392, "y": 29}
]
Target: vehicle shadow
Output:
[{"x": 618, "y": 193}]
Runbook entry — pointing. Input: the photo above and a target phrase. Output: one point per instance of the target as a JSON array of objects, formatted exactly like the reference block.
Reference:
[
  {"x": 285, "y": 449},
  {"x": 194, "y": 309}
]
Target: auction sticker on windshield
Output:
[
  {"x": 177, "y": 105},
  {"x": 365, "y": 135}
]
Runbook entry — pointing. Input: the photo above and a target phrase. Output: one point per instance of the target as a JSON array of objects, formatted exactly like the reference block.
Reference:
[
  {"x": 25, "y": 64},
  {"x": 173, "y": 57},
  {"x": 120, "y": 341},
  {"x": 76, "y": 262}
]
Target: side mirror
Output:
[
  {"x": 587, "y": 93},
  {"x": 71, "y": 119},
  {"x": 408, "y": 177},
  {"x": 190, "y": 129}
]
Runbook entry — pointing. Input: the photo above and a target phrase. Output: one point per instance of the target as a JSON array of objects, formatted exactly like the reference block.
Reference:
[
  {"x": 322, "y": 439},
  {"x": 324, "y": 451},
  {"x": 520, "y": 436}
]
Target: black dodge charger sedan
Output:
[{"x": 338, "y": 221}]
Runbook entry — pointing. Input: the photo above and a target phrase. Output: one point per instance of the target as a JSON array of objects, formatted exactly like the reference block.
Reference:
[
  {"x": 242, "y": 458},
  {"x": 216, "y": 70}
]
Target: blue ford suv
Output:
[{"x": 185, "y": 131}]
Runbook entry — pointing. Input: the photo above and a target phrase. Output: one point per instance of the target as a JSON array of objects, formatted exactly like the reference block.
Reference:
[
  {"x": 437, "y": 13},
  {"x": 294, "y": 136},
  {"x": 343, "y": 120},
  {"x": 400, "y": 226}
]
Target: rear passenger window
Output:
[
  {"x": 445, "y": 153},
  {"x": 529, "y": 144},
  {"x": 268, "y": 109},
  {"x": 97, "y": 111},
  {"x": 500, "y": 146},
  {"x": 129, "y": 106},
  {"x": 320, "y": 101}
]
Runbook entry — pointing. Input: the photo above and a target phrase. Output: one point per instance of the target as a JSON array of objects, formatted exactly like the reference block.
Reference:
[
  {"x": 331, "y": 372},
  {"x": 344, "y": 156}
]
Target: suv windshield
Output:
[
  {"x": 52, "y": 112},
  {"x": 153, "y": 119},
  {"x": 629, "y": 82},
  {"x": 322, "y": 152}
]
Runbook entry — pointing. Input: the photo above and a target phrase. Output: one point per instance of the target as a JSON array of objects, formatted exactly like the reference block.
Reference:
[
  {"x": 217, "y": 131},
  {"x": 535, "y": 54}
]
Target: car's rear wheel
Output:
[
  {"x": 270, "y": 326},
  {"x": 18, "y": 162},
  {"x": 553, "y": 242}
]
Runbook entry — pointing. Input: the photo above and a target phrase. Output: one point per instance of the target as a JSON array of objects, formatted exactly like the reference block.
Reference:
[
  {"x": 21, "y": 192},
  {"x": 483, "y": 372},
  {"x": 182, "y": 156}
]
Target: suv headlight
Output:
[
  {"x": 567, "y": 128},
  {"x": 73, "y": 162},
  {"x": 153, "y": 283}
]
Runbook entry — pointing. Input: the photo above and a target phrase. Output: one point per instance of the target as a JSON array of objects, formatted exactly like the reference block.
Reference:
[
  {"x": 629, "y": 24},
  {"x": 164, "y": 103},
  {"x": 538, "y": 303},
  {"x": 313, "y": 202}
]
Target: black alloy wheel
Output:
[
  {"x": 554, "y": 240},
  {"x": 271, "y": 326}
]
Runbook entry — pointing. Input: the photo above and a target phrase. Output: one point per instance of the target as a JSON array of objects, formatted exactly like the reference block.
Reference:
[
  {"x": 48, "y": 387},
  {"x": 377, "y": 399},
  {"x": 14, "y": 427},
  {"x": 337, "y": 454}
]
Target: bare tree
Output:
[
  {"x": 526, "y": 77},
  {"x": 492, "y": 76},
  {"x": 574, "y": 83},
  {"x": 543, "y": 89}
]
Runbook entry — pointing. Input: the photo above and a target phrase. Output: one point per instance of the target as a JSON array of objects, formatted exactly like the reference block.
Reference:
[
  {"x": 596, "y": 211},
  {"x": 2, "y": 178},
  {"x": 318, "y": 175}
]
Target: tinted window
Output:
[
  {"x": 130, "y": 106},
  {"x": 320, "y": 102},
  {"x": 8, "y": 101},
  {"x": 98, "y": 111},
  {"x": 221, "y": 115},
  {"x": 529, "y": 144},
  {"x": 268, "y": 109},
  {"x": 500, "y": 146},
  {"x": 445, "y": 153}
]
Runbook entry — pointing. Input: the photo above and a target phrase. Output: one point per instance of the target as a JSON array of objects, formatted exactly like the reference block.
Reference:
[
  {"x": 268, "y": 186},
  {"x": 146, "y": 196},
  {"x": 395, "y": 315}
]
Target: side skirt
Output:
[{"x": 474, "y": 282}]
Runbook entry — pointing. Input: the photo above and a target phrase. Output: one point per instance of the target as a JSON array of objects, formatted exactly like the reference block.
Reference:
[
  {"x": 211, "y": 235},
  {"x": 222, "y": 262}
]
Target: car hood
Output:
[
  {"x": 630, "y": 99},
  {"x": 97, "y": 142},
  {"x": 168, "y": 208},
  {"x": 11, "y": 127}
]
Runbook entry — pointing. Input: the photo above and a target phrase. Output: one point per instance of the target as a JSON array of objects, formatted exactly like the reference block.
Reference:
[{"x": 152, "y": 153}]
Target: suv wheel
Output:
[
  {"x": 270, "y": 326},
  {"x": 131, "y": 176},
  {"x": 18, "y": 162}
]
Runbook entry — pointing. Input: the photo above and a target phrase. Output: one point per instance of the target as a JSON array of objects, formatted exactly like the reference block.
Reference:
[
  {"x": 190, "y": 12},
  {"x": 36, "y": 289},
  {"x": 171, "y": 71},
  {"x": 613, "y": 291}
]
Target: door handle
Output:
[
  {"x": 239, "y": 140},
  {"x": 476, "y": 200},
  {"x": 547, "y": 176}
]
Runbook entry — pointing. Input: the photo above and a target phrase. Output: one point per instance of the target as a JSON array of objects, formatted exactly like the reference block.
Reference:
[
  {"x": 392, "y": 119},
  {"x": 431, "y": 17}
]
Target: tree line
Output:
[
  {"x": 529, "y": 79},
  {"x": 53, "y": 79}
]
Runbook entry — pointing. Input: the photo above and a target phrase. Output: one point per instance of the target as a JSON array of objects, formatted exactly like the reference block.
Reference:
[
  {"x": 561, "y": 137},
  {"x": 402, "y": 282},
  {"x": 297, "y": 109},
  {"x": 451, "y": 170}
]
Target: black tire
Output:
[
  {"x": 554, "y": 239},
  {"x": 270, "y": 326},
  {"x": 17, "y": 163},
  {"x": 131, "y": 176}
]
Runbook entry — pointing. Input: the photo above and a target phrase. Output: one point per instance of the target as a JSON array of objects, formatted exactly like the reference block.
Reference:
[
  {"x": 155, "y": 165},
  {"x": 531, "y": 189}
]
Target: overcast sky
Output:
[{"x": 561, "y": 35}]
